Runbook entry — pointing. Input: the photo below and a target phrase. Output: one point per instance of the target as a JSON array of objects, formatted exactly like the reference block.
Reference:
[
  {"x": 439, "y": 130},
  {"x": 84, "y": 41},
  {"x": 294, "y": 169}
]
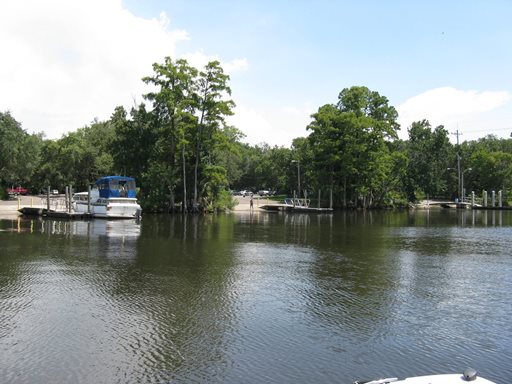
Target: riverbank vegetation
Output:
[{"x": 186, "y": 158}]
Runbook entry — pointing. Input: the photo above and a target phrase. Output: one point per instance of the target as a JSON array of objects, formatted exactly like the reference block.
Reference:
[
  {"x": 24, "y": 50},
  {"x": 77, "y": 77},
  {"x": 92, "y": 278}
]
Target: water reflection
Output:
[
  {"x": 92, "y": 228},
  {"x": 256, "y": 297}
]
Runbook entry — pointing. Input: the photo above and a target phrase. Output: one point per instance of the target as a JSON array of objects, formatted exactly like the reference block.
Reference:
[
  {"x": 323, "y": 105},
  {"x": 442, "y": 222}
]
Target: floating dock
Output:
[
  {"x": 294, "y": 205},
  {"x": 492, "y": 208},
  {"x": 44, "y": 212}
]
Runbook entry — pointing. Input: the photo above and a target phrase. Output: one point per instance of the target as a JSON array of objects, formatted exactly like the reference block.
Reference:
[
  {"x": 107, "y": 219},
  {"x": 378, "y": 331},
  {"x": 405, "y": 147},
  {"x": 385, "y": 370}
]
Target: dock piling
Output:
[
  {"x": 89, "y": 198},
  {"x": 70, "y": 189},
  {"x": 66, "y": 193}
]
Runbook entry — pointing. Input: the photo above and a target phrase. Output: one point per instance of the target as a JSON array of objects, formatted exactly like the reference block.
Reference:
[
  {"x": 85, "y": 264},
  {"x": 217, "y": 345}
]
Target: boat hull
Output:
[
  {"x": 119, "y": 208},
  {"x": 433, "y": 379},
  {"x": 443, "y": 379}
]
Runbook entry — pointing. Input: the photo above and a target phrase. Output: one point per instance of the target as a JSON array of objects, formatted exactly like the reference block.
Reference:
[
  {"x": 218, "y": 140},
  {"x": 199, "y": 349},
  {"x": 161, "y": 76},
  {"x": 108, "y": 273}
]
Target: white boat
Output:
[
  {"x": 469, "y": 375},
  {"x": 113, "y": 197}
]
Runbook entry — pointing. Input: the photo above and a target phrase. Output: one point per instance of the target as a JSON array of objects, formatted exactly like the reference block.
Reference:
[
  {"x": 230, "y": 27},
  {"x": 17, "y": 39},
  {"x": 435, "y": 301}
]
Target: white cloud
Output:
[
  {"x": 236, "y": 65},
  {"x": 274, "y": 126},
  {"x": 199, "y": 59},
  {"x": 66, "y": 62},
  {"x": 478, "y": 111}
]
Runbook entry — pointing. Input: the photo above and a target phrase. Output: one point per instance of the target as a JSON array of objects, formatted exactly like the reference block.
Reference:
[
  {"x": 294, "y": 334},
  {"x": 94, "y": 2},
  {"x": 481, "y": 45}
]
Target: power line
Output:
[{"x": 458, "y": 134}]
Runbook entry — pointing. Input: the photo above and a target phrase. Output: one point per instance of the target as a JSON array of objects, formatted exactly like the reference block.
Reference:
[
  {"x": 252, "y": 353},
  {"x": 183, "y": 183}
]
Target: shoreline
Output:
[
  {"x": 244, "y": 203},
  {"x": 10, "y": 207}
]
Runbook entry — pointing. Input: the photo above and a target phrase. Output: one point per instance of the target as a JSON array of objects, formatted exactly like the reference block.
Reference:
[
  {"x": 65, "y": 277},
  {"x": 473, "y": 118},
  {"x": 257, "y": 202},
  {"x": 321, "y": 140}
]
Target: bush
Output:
[{"x": 224, "y": 201}]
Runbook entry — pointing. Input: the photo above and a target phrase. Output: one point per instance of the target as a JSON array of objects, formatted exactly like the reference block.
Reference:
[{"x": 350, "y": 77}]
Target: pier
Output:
[
  {"x": 294, "y": 205},
  {"x": 52, "y": 206},
  {"x": 50, "y": 213}
]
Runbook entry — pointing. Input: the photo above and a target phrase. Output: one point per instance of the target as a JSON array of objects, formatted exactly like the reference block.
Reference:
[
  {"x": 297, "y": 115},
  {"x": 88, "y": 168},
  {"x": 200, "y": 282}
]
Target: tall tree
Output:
[
  {"x": 349, "y": 141},
  {"x": 212, "y": 108},
  {"x": 174, "y": 103},
  {"x": 430, "y": 155},
  {"x": 19, "y": 151}
]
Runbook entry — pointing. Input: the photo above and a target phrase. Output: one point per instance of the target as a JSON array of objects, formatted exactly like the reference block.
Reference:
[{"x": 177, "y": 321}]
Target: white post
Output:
[
  {"x": 298, "y": 176},
  {"x": 69, "y": 198},
  {"x": 89, "y": 199},
  {"x": 493, "y": 198},
  {"x": 66, "y": 198}
]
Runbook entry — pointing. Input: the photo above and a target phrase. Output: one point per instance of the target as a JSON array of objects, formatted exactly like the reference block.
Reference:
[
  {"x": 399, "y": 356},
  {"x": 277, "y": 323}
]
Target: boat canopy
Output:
[{"x": 116, "y": 186}]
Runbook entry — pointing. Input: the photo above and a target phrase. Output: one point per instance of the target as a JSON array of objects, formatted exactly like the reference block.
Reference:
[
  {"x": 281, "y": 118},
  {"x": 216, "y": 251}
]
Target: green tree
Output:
[
  {"x": 430, "y": 155},
  {"x": 228, "y": 153},
  {"x": 174, "y": 106},
  {"x": 77, "y": 159},
  {"x": 212, "y": 108},
  {"x": 349, "y": 143},
  {"x": 490, "y": 171},
  {"x": 19, "y": 152}
]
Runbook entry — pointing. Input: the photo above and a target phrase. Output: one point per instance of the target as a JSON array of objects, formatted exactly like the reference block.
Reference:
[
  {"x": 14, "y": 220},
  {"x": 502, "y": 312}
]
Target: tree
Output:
[
  {"x": 491, "y": 171},
  {"x": 430, "y": 155},
  {"x": 229, "y": 152},
  {"x": 174, "y": 106},
  {"x": 349, "y": 142},
  {"x": 212, "y": 108},
  {"x": 19, "y": 151}
]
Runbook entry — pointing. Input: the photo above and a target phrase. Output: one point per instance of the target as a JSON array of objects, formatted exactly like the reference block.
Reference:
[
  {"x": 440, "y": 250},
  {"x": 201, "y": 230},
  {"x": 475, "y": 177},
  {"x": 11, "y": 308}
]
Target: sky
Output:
[{"x": 65, "y": 63}]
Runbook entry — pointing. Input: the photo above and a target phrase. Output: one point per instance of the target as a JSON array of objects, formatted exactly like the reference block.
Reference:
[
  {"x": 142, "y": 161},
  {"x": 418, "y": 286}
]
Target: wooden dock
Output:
[
  {"x": 294, "y": 205},
  {"x": 492, "y": 208},
  {"x": 44, "y": 212}
]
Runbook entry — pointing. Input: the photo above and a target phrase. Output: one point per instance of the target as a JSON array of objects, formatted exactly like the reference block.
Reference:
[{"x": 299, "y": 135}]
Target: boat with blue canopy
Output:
[{"x": 112, "y": 197}]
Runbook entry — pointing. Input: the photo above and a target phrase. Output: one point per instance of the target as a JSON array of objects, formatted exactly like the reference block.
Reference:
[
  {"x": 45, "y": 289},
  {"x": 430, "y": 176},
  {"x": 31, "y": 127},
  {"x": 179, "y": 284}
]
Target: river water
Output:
[{"x": 256, "y": 298}]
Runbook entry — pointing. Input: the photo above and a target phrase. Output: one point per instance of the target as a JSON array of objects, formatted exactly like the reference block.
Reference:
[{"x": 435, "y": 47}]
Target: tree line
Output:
[{"x": 185, "y": 157}]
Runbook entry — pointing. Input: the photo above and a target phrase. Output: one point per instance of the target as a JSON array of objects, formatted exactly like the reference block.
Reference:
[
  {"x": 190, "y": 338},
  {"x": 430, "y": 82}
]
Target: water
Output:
[{"x": 262, "y": 298}]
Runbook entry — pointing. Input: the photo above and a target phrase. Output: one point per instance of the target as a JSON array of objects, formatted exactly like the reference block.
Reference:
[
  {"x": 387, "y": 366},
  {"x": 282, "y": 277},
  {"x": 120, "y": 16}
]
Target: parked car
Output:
[
  {"x": 17, "y": 191},
  {"x": 264, "y": 192}
]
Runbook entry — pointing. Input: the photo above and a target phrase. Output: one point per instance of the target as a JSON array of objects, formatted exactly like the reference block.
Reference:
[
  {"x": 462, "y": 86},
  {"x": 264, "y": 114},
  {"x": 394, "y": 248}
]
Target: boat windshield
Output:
[{"x": 116, "y": 186}]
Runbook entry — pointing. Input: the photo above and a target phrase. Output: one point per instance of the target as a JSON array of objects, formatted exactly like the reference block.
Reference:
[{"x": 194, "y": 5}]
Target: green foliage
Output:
[
  {"x": 19, "y": 152},
  {"x": 349, "y": 143},
  {"x": 77, "y": 159},
  {"x": 224, "y": 202},
  {"x": 430, "y": 155},
  {"x": 184, "y": 156},
  {"x": 189, "y": 108}
]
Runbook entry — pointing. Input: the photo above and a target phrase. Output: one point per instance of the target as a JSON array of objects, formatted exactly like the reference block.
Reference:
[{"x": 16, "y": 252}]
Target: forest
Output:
[{"x": 186, "y": 158}]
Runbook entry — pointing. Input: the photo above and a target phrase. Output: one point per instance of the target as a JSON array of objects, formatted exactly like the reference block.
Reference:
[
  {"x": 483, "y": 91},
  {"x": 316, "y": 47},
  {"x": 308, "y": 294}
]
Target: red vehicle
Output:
[{"x": 17, "y": 191}]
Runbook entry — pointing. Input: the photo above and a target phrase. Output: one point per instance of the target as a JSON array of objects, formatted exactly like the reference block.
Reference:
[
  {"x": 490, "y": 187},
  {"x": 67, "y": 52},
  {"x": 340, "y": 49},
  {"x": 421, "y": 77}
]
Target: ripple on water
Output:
[{"x": 395, "y": 302}]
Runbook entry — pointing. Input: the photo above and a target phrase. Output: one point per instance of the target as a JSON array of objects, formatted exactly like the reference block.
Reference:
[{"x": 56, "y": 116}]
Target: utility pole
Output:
[{"x": 457, "y": 133}]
